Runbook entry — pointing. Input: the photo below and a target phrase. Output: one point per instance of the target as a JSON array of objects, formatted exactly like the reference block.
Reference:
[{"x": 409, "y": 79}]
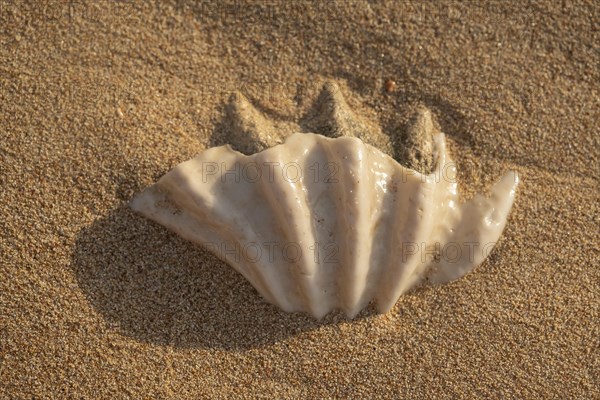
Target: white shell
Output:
[{"x": 317, "y": 224}]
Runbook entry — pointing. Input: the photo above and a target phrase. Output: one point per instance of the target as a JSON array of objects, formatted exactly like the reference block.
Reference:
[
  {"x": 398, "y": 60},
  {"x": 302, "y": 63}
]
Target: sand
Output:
[{"x": 99, "y": 100}]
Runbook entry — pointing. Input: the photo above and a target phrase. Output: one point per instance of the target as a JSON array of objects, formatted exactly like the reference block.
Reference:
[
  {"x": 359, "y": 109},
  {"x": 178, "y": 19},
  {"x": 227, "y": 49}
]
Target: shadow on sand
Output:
[{"x": 158, "y": 288}]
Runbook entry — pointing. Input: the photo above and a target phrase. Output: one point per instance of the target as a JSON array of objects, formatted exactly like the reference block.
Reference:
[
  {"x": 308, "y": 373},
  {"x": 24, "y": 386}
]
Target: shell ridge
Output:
[
  {"x": 445, "y": 208},
  {"x": 277, "y": 194},
  {"x": 383, "y": 231},
  {"x": 316, "y": 191},
  {"x": 340, "y": 227},
  {"x": 346, "y": 153},
  {"x": 361, "y": 200},
  {"x": 422, "y": 229},
  {"x": 412, "y": 220},
  {"x": 374, "y": 229},
  {"x": 191, "y": 195}
]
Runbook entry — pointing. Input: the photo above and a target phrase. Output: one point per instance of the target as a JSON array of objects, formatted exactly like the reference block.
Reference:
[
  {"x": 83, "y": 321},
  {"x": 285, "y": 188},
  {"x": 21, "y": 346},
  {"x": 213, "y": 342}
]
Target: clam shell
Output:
[{"x": 319, "y": 223}]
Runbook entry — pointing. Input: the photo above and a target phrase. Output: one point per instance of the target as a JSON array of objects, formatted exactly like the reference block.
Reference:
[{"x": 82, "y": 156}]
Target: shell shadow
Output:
[
  {"x": 395, "y": 125},
  {"x": 221, "y": 132},
  {"x": 452, "y": 121},
  {"x": 155, "y": 287},
  {"x": 243, "y": 122}
]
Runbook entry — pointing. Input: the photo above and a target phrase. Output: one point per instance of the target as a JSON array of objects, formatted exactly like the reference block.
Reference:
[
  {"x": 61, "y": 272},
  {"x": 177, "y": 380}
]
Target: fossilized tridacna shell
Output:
[{"x": 320, "y": 223}]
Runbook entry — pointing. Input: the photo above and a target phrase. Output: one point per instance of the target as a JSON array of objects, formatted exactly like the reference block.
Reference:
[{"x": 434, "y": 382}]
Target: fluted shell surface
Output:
[{"x": 319, "y": 223}]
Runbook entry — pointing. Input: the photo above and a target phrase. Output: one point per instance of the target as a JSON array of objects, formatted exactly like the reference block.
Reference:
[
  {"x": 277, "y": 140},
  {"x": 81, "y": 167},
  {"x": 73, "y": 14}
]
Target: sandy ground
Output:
[{"x": 98, "y": 100}]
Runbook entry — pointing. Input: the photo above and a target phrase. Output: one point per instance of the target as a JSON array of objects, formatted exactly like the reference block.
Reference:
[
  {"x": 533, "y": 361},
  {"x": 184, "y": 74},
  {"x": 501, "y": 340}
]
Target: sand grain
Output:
[{"x": 100, "y": 99}]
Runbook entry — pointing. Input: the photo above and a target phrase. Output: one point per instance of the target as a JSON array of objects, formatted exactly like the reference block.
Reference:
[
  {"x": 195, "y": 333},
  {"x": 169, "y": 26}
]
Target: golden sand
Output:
[{"x": 99, "y": 100}]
